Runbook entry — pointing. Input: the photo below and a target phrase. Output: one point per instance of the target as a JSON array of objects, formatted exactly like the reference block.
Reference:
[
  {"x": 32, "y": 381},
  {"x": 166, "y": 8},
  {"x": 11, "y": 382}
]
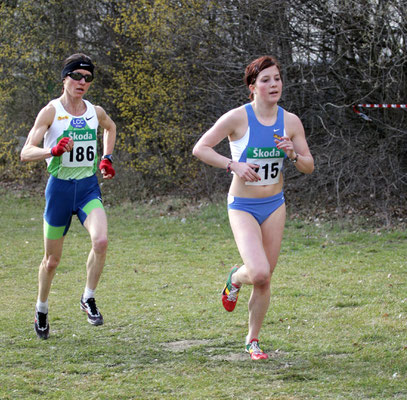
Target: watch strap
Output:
[
  {"x": 107, "y": 157},
  {"x": 295, "y": 159}
]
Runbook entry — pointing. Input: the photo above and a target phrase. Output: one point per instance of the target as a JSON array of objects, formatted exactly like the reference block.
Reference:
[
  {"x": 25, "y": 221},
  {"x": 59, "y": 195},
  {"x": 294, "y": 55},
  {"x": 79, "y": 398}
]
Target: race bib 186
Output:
[
  {"x": 270, "y": 162},
  {"x": 84, "y": 150}
]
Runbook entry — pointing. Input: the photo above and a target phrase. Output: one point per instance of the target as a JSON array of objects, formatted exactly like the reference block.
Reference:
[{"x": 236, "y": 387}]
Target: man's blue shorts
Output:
[
  {"x": 260, "y": 208},
  {"x": 65, "y": 198}
]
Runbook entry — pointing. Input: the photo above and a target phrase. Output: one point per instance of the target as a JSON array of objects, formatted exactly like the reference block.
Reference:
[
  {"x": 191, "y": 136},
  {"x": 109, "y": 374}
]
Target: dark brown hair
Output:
[
  {"x": 256, "y": 66},
  {"x": 77, "y": 57}
]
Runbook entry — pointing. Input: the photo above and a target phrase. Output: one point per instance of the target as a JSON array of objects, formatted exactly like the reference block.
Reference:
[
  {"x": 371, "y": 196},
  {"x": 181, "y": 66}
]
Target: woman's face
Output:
[
  {"x": 77, "y": 88},
  {"x": 268, "y": 85}
]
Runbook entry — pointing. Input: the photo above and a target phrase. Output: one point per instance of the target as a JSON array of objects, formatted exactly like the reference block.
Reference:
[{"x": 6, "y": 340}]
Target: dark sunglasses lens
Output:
[{"x": 77, "y": 76}]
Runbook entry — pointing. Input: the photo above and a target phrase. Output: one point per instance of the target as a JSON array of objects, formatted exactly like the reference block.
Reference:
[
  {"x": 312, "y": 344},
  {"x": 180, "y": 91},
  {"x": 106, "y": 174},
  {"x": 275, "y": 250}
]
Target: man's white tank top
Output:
[{"x": 81, "y": 162}]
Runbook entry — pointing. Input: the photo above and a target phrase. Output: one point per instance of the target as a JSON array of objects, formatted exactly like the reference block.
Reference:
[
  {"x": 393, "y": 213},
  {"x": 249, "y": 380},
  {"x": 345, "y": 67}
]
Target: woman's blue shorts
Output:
[{"x": 260, "y": 208}]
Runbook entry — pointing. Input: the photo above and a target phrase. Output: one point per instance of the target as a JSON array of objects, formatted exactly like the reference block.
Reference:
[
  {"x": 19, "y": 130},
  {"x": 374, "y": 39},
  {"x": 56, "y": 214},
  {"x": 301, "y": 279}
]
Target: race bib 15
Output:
[{"x": 270, "y": 162}]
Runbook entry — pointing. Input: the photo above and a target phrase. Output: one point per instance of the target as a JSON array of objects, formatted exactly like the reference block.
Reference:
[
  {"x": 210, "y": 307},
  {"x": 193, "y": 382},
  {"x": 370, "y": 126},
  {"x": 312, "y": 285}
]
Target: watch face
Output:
[{"x": 108, "y": 157}]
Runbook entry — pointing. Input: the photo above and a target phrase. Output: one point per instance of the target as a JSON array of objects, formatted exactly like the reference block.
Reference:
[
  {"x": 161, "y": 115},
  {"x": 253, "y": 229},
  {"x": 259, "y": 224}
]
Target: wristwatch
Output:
[
  {"x": 295, "y": 159},
  {"x": 108, "y": 157}
]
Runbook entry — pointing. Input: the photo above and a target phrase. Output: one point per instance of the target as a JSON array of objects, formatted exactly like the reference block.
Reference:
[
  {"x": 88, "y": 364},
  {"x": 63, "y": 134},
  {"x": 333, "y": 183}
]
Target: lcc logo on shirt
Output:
[{"x": 78, "y": 123}]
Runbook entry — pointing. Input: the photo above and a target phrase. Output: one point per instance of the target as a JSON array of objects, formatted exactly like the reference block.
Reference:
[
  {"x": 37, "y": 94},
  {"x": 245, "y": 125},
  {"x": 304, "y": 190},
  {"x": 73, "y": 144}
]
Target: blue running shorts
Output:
[
  {"x": 260, "y": 208},
  {"x": 65, "y": 198}
]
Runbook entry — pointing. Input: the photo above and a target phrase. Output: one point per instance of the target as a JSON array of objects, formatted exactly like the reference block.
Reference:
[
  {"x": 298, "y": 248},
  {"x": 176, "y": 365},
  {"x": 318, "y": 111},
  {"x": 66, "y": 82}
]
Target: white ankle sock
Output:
[
  {"x": 42, "y": 307},
  {"x": 88, "y": 293}
]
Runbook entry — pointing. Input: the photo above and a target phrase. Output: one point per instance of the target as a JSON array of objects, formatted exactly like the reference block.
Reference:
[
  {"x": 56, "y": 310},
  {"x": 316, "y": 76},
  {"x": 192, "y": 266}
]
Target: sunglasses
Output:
[{"x": 77, "y": 76}]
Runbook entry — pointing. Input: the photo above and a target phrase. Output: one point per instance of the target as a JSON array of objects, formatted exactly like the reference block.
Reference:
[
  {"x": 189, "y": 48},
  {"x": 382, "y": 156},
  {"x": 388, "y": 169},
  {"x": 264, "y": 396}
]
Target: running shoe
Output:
[
  {"x": 41, "y": 325},
  {"x": 94, "y": 316},
  {"x": 230, "y": 292},
  {"x": 256, "y": 353}
]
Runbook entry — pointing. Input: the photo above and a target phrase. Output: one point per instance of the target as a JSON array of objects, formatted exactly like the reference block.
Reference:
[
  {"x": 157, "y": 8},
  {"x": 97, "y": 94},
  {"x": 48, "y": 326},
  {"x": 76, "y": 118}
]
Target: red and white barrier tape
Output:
[{"x": 365, "y": 117}]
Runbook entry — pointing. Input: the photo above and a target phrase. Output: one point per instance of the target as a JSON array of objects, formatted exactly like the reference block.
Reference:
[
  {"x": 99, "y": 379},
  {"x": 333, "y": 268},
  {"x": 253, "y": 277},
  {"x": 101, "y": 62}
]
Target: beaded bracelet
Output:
[{"x": 228, "y": 166}]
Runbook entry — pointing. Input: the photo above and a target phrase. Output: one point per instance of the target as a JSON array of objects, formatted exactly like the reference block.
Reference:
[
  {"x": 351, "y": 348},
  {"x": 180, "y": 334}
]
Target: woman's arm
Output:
[
  {"x": 223, "y": 127},
  {"x": 295, "y": 144},
  {"x": 232, "y": 124}
]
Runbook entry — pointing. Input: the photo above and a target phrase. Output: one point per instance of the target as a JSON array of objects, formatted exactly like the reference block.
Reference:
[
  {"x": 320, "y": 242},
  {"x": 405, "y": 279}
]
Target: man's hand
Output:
[
  {"x": 107, "y": 169},
  {"x": 65, "y": 144}
]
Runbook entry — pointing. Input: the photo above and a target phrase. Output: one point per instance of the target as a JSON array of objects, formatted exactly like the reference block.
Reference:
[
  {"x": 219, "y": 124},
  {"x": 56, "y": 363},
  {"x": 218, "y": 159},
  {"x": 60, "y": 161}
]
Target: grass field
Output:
[{"x": 336, "y": 328}]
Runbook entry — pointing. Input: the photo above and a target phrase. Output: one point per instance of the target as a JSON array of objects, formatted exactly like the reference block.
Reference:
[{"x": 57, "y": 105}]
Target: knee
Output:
[
  {"x": 99, "y": 245},
  {"x": 261, "y": 277},
  {"x": 50, "y": 263}
]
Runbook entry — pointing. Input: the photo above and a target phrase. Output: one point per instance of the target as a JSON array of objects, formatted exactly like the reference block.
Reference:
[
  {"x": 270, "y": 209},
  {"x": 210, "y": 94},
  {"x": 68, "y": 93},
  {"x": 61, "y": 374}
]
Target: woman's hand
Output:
[
  {"x": 285, "y": 144},
  {"x": 245, "y": 171}
]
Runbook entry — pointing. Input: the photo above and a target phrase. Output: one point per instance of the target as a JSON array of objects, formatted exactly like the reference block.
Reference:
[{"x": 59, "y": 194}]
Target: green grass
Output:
[{"x": 336, "y": 327}]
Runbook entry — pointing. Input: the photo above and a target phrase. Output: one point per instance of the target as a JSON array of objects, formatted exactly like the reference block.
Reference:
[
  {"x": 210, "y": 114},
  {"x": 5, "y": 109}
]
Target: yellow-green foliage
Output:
[
  {"x": 29, "y": 79},
  {"x": 153, "y": 87},
  {"x": 154, "y": 90}
]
